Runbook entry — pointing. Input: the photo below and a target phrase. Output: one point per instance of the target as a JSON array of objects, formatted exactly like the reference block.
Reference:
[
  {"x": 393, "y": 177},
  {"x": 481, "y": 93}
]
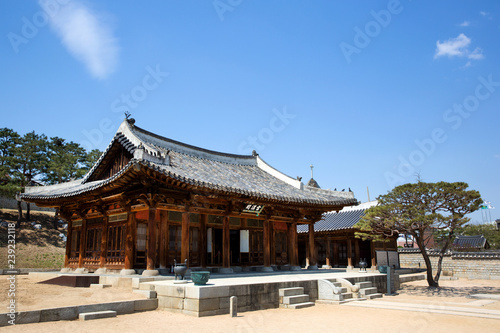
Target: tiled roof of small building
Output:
[
  {"x": 343, "y": 220},
  {"x": 475, "y": 242},
  {"x": 233, "y": 174}
]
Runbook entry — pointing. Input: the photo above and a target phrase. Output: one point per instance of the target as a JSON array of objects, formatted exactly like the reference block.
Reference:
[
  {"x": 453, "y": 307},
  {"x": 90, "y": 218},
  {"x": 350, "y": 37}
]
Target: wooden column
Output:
[
  {"x": 83, "y": 246},
  {"x": 151, "y": 256},
  {"x": 130, "y": 240},
  {"x": 163, "y": 239},
  {"x": 203, "y": 240},
  {"x": 226, "y": 245},
  {"x": 335, "y": 253},
  {"x": 272, "y": 242},
  {"x": 374, "y": 255},
  {"x": 104, "y": 242},
  {"x": 349, "y": 253},
  {"x": 292, "y": 243},
  {"x": 356, "y": 251},
  {"x": 267, "y": 244},
  {"x": 185, "y": 238},
  {"x": 312, "y": 250},
  {"x": 328, "y": 244},
  {"x": 69, "y": 239}
]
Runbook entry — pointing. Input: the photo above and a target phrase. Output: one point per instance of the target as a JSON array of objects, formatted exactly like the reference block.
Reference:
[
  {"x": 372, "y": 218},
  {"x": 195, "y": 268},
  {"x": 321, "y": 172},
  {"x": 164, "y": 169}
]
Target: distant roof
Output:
[
  {"x": 343, "y": 220},
  {"x": 246, "y": 175},
  {"x": 474, "y": 242},
  {"x": 313, "y": 183}
]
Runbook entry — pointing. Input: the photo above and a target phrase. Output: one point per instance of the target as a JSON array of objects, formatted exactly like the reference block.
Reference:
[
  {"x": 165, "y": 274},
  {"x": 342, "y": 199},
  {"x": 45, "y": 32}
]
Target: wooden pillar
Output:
[
  {"x": 203, "y": 240},
  {"x": 374, "y": 254},
  {"x": 292, "y": 243},
  {"x": 349, "y": 253},
  {"x": 130, "y": 230},
  {"x": 83, "y": 246},
  {"x": 104, "y": 242},
  {"x": 151, "y": 256},
  {"x": 356, "y": 251},
  {"x": 69, "y": 239},
  {"x": 335, "y": 253},
  {"x": 312, "y": 250},
  {"x": 328, "y": 244},
  {"x": 272, "y": 242},
  {"x": 226, "y": 245},
  {"x": 267, "y": 244},
  {"x": 163, "y": 239},
  {"x": 185, "y": 238}
]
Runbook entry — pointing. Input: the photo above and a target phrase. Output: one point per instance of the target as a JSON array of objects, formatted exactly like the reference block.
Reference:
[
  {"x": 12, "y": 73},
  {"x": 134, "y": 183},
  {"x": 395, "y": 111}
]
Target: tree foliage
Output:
[
  {"x": 34, "y": 159},
  {"x": 415, "y": 209}
]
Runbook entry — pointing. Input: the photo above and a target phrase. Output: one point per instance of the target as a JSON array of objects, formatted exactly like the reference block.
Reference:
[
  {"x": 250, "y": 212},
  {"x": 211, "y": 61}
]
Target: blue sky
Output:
[{"x": 369, "y": 92}]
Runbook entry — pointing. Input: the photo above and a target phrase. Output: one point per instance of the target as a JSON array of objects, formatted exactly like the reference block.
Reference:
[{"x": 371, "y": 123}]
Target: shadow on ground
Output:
[{"x": 447, "y": 291}]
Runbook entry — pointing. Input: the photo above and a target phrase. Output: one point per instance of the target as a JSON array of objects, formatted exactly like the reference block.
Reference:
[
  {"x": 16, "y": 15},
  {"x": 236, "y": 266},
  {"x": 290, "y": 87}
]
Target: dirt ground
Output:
[
  {"x": 31, "y": 295},
  {"x": 320, "y": 318}
]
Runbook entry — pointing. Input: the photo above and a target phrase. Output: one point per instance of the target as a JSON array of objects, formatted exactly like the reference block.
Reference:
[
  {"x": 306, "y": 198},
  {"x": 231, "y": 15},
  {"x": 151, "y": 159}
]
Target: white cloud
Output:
[
  {"x": 483, "y": 13},
  {"x": 87, "y": 36},
  {"x": 457, "y": 47},
  {"x": 477, "y": 54},
  {"x": 464, "y": 24}
]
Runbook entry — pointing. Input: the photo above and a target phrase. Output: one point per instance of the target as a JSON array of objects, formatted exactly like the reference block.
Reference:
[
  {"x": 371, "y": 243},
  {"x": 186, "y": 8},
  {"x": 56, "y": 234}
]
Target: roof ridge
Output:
[{"x": 185, "y": 145}]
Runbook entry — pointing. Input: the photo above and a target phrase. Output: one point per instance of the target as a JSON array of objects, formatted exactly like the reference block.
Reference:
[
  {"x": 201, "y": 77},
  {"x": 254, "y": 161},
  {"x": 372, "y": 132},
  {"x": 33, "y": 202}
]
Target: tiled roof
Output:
[
  {"x": 475, "y": 242},
  {"x": 233, "y": 174},
  {"x": 343, "y": 220}
]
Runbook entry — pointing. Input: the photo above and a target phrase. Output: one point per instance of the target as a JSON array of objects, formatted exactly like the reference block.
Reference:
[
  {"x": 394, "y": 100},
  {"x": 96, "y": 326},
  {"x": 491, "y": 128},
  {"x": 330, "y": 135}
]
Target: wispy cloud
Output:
[
  {"x": 464, "y": 24},
  {"x": 483, "y": 13},
  {"x": 457, "y": 47},
  {"x": 87, "y": 36}
]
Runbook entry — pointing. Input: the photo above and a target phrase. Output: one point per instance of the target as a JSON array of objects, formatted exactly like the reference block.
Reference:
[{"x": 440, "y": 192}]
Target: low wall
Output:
[
  {"x": 471, "y": 265},
  {"x": 72, "y": 312}
]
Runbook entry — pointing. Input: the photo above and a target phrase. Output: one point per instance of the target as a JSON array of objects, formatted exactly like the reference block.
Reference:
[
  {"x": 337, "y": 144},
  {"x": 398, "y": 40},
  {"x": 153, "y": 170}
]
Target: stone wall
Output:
[{"x": 471, "y": 265}]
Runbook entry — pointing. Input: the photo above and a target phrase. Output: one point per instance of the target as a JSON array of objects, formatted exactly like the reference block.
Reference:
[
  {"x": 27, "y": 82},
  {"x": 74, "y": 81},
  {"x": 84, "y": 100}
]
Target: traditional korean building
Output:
[
  {"x": 335, "y": 241},
  {"x": 149, "y": 200}
]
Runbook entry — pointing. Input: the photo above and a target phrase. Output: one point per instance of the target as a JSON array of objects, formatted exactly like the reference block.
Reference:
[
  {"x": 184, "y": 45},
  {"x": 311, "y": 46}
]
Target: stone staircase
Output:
[
  {"x": 367, "y": 291},
  {"x": 338, "y": 291},
  {"x": 294, "y": 298}
]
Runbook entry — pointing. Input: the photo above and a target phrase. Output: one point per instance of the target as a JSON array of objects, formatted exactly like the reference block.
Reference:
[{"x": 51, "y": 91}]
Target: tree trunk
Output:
[
  {"x": 427, "y": 260},
  {"x": 19, "y": 214},
  {"x": 28, "y": 216},
  {"x": 441, "y": 256}
]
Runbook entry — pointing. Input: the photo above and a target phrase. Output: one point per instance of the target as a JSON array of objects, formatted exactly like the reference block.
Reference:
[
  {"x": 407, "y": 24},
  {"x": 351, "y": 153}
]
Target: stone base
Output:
[
  {"x": 65, "y": 270},
  {"x": 226, "y": 270},
  {"x": 180, "y": 281},
  {"x": 127, "y": 271},
  {"x": 326, "y": 267},
  {"x": 312, "y": 267},
  {"x": 349, "y": 268},
  {"x": 101, "y": 271},
  {"x": 150, "y": 272},
  {"x": 295, "y": 268},
  {"x": 265, "y": 269},
  {"x": 81, "y": 271}
]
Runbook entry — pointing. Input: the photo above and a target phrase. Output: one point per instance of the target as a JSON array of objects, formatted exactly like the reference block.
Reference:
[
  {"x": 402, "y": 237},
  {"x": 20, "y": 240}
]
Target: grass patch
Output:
[{"x": 42, "y": 248}]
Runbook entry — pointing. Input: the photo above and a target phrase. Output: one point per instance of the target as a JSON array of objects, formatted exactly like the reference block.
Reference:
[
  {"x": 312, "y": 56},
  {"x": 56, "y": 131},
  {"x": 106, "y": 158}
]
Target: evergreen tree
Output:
[{"x": 413, "y": 209}]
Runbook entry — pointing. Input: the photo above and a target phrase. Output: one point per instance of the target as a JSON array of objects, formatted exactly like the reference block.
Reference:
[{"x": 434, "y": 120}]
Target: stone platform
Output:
[{"x": 255, "y": 291}]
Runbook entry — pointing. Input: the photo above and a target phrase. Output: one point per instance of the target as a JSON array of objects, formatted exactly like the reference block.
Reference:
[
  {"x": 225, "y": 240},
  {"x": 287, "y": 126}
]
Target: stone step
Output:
[
  {"x": 96, "y": 315},
  {"x": 297, "y": 306},
  {"x": 368, "y": 291},
  {"x": 346, "y": 295},
  {"x": 291, "y": 291},
  {"x": 372, "y": 296},
  {"x": 295, "y": 299},
  {"x": 364, "y": 285}
]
